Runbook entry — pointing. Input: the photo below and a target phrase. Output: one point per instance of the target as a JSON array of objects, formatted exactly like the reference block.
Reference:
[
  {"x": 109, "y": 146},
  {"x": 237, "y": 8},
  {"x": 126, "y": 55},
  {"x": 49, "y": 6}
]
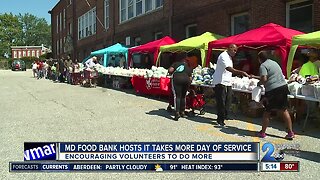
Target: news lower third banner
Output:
[
  {"x": 148, "y": 167},
  {"x": 142, "y": 151}
]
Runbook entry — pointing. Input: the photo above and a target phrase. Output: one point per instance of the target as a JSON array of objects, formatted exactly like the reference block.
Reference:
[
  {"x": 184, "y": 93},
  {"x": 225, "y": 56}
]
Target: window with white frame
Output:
[
  {"x": 137, "y": 41},
  {"x": 148, "y": 5},
  {"x": 106, "y": 14},
  {"x": 86, "y": 19},
  {"x": 132, "y": 8},
  {"x": 60, "y": 21},
  {"x": 239, "y": 23},
  {"x": 70, "y": 28},
  {"x": 123, "y": 10},
  {"x": 64, "y": 44},
  {"x": 94, "y": 15},
  {"x": 23, "y": 53},
  {"x": 32, "y": 53},
  {"x": 60, "y": 45},
  {"x": 87, "y": 24},
  {"x": 79, "y": 28},
  {"x": 299, "y": 15},
  {"x": 159, "y": 3},
  {"x": 138, "y": 7},
  {"x": 14, "y": 54},
  {"x": 57, "y": 24},
  {"x": 191, "y": 30},
  {"x": 64, "y": 18},
  {"x": 28, "y": 53},
  {"x": 158, "y": 35}
]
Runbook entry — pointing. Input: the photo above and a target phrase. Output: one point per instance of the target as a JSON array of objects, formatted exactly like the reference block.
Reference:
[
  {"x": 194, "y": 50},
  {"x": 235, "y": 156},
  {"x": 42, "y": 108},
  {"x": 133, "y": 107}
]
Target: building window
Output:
[
  {"x": 14, "y": 54},
  {"x": 90, "y": 29},
  {"x": 64, "y": 44},
  {"x": 148, "y": 5},
  {"x": 300, "y": 15},
  {"x": 32, "y": 53},
  {"x": 23, "y": 53},
  {"x": 87, "y": 24},
  {"x": 79, "y": 28},
  {"x": 137, "y": 41},
  {"x": 86, "y": 20},
  {"x": 191, "y": 30},
  {"x": 70, "y": 28},
  {"x": 61, "y": 47},
  {"x": 60, "y": 21},
  {"x": 138, "y": 7},
  {"x": 106, "y": 14},
  {"x": 132, "y": 8},
  {"x": 57, "y": 24},
  {"x": 128, "y": 39},
  {"x": 123, "y": 10},
  {"x": 239, "y": 23},
  {"x": 19, "y": 54},
  {"x": 64, "y": 18},
  {"x": 94, "y": 15},
  {"x": 159, "y": 3},
  {"x": 37, "y": 53},
  {"x": 28, "y": 53},
  {"x": 158, "y": 35}
]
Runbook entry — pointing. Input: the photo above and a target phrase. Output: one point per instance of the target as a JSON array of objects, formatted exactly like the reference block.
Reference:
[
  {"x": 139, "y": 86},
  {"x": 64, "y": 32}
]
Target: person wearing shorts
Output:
[{"x": 276, "y": 93}]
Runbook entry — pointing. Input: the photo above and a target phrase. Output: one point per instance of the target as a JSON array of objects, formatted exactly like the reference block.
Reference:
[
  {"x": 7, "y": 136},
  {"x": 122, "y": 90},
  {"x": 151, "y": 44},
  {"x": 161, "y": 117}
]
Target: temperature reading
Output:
[
  {"x": 218, "y": 167},
  {"x": 288, "y": 166},
  {"x": 173, "y": 167}
]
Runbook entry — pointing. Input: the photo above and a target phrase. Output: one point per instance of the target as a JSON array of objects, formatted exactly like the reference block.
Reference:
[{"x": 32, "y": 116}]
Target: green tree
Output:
[
  {"x": 10, "y": 32},
  {"x": 35, "y": 31}
]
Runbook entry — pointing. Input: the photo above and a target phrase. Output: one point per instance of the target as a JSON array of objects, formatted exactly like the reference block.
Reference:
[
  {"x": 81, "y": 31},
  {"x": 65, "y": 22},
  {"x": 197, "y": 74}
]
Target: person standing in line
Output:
[
  {"x": 40, "y": 69},
  {"x": 34, "y": 69},
  {"x": 68, "y": 66},
  {"x": 45, "y": 69},
  {"x": 61, "y": 70},
  {"x": 222, "y": 82},
  {"x": 180, "y": 84},
  {"x": 276, "y": 93}
]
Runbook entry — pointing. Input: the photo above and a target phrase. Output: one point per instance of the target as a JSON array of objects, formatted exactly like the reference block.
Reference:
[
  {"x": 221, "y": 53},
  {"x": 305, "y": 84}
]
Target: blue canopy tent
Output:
[{"x": 114, "y": 49}]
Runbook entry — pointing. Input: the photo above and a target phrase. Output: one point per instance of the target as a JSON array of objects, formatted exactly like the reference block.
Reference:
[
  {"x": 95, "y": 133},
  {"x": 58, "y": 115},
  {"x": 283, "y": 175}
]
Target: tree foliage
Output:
[{"x": 23, "y": 30}]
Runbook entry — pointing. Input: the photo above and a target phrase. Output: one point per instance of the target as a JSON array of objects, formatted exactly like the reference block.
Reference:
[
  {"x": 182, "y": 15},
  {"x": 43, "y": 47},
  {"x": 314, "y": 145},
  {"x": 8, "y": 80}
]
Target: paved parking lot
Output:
[{"x": 40, "y": 110}]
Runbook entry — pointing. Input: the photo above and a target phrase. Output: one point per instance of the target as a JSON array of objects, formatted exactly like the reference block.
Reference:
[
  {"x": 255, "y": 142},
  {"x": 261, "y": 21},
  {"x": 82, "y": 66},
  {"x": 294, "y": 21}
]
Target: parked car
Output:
[{"x": 19, "y": 65}]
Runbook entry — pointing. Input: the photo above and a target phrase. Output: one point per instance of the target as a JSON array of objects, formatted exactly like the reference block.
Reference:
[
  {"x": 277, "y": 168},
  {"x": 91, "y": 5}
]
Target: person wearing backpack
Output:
[{"x": 181, "y": 80}]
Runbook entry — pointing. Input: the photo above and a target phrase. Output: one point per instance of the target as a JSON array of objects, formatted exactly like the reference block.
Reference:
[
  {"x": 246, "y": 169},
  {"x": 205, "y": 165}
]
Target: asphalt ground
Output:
[{"x": 42, "y": 111}]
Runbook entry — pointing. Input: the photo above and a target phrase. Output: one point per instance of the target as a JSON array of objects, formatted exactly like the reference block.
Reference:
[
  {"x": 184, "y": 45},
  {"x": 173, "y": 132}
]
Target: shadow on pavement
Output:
[
  {"x": 201, "y": 119},
  {"x": 311, "y": 156},
  {"x": 160, "y": 112},
  {"x": 243, "y": 132}
]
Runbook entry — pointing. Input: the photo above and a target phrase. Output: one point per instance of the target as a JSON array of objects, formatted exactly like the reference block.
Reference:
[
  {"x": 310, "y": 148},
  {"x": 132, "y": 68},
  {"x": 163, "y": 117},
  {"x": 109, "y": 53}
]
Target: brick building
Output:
[
  {"x": 28, "y": 51},
  {"x": 80, "y": 27}
]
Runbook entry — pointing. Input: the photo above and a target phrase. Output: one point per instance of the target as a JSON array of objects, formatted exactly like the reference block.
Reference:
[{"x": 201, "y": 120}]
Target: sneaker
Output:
[
  {"x": 176, "y": 117},
  {"x": 221, "y": 123},
  {"x": 261, "y": 134},
  {"x": 290, "y": 136},
  {"x": 182, "y": 114}
]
